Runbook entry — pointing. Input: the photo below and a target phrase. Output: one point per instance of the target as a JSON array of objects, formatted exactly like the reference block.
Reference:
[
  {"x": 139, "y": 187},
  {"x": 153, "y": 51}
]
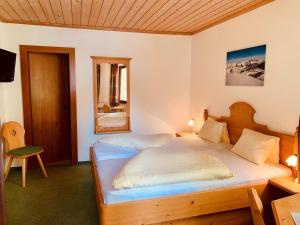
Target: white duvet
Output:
[
  {"x": 118, "y": 119},
  {"x": 165, "y": 166}
]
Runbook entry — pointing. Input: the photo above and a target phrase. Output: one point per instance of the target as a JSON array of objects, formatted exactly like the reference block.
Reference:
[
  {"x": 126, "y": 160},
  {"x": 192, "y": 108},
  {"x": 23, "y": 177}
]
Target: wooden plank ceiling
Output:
[{"x": 151, "y": 16}]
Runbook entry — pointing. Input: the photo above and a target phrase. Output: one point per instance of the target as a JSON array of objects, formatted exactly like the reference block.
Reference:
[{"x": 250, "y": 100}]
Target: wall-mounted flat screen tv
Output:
[{"x": 7, "y": 65}]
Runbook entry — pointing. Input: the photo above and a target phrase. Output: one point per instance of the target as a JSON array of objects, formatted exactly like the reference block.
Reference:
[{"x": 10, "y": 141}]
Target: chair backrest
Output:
[
  {"x": 106, "y": 108},
  {"x": 13, "y": 135},
  {"x": 256, "y": 205}
]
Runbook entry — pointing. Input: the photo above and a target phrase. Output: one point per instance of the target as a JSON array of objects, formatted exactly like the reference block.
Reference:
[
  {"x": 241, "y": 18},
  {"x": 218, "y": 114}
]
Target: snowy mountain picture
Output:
[{"x": 246, "y": 67}]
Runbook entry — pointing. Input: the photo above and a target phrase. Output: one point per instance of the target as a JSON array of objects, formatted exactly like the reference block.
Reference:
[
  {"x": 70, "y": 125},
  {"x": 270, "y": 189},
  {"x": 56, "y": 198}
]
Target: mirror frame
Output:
[{"x": 111, "y": 60}]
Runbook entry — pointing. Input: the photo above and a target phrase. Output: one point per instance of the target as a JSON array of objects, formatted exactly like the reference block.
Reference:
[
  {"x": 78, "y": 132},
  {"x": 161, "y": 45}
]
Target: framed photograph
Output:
[{"x": 246, "y": 67}]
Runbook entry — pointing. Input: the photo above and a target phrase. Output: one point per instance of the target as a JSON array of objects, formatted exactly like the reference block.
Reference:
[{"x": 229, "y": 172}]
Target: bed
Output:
[
  {"x": 203, "y": 202},
  {"x": 115, "y": 119}
]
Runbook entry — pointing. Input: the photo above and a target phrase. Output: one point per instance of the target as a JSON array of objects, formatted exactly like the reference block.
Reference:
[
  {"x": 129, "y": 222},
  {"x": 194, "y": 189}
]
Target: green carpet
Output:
[{"x": 66, "y": 197}]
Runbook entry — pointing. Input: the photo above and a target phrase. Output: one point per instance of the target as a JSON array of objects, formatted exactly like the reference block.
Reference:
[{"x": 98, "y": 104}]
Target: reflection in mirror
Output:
[{"x": 111, "y": 94}]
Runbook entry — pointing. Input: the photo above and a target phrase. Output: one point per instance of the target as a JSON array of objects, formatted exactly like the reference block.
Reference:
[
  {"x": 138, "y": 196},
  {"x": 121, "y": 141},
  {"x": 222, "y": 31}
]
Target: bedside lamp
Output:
[
  {"x": 292, "y": 162},
  {"x": 191, "y": 123}
]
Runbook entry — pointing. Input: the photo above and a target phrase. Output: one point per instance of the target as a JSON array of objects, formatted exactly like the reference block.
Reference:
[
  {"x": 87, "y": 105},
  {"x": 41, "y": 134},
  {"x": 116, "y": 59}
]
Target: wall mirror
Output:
[{"x": 111, "y": 94}]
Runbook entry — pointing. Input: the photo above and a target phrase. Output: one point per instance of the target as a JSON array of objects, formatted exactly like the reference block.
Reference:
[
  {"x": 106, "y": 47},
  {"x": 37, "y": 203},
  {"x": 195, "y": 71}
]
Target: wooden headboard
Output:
[{"x": 242, "y": 116}]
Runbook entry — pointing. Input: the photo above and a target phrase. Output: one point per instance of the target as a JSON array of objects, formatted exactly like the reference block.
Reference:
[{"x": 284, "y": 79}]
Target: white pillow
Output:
[
  {"x": 139, "y": 142},
  {"x": 225, "y": 135},
  {"x": 274, "y": 155},
  {"x": 212, "y": 131},
  {"x": 254, "y": 146}
]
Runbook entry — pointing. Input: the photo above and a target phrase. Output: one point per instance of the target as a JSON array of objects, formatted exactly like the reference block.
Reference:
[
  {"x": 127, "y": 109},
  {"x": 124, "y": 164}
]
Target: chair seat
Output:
[{"x": 26, "y": 150}]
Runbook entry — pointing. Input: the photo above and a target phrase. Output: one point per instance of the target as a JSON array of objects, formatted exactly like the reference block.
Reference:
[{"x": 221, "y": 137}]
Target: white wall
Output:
[
  {"x": 160, "y": 75},
  {"x": 277, "y": 103}
]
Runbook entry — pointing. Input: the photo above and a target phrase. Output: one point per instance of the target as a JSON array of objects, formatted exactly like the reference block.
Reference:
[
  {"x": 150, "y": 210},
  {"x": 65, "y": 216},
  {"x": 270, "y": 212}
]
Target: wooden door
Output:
[{"x": 50, "y": 106}]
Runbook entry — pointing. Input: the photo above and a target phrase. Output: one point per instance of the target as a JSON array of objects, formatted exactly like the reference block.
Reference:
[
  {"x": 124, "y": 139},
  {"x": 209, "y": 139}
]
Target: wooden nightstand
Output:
[
  {"x": 286, "y": 184},
  {"x": 184, "y": 134}
]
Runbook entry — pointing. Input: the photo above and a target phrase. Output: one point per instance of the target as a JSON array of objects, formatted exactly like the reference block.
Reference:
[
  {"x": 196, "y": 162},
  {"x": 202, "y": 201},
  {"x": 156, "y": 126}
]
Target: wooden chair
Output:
[
  {"x": 14, "y": 145},
  {"x": 256, "y": 205},
  {"x": 106, "y": 108}
]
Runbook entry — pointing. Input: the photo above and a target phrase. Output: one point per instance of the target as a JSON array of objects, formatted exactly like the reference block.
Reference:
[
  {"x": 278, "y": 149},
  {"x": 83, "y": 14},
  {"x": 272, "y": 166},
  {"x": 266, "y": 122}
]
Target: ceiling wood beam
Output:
[
  {"x": 57, "y": 11},
  {"x": 48, "y": 11},
  {"x": 114, "y": 11},
  {"x": 4, "y": 15},
  {"x": 86, "y": 7},
  {"x": 95, "y": 12},
  {"x": 19, "y": 10},
  {"x": 95, "y": 28},
  {"x": 150, "y": 13},
  {"x": 185, "y": 11},
  {"x": 76, "y": 11},
  {"x": 147, "y": 16},
  {"x": 167, "y": 9},
  {"x": 229, "y": 16},
  {"x": 131, "y": 13},
  {"x": 211, "y": 11},
  {"x": 66, "y": 7},
  {"x": 180, "y": 6},
  {"x": 9, "y": 10},
  {"x": 29, "y": 11},
  {"x": 127, "y": 6},
  {"x": 106, "y": 7},
  {"x": 141, "y": 12},
  {"x": 37, "y": 8}
]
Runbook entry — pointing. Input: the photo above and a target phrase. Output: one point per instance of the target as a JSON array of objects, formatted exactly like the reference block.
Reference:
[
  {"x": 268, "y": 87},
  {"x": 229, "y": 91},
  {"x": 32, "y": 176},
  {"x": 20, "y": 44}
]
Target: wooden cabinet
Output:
[{"x": 285, "y": 184}]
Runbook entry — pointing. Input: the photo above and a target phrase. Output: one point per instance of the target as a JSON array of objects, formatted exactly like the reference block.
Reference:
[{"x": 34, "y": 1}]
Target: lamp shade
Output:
[
  {"x": 191, "y": 122},
  {"x": 292, "y": 160}
]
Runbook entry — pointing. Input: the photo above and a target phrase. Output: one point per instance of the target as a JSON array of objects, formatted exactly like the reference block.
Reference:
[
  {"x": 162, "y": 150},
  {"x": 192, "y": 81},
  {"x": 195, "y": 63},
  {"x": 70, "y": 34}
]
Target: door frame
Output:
[
  {"x": 25, "y": 78},
  {"x": 2, "y": 191}
]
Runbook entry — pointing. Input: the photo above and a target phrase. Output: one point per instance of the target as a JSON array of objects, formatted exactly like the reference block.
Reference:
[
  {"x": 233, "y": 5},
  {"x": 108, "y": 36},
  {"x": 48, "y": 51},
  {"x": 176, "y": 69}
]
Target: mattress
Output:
[{"x": 110, "y": 160}]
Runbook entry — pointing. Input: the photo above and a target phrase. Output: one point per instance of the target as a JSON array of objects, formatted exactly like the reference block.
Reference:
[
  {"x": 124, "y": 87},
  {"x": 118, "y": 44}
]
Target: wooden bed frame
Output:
[{"x": 220, "y": 206}]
